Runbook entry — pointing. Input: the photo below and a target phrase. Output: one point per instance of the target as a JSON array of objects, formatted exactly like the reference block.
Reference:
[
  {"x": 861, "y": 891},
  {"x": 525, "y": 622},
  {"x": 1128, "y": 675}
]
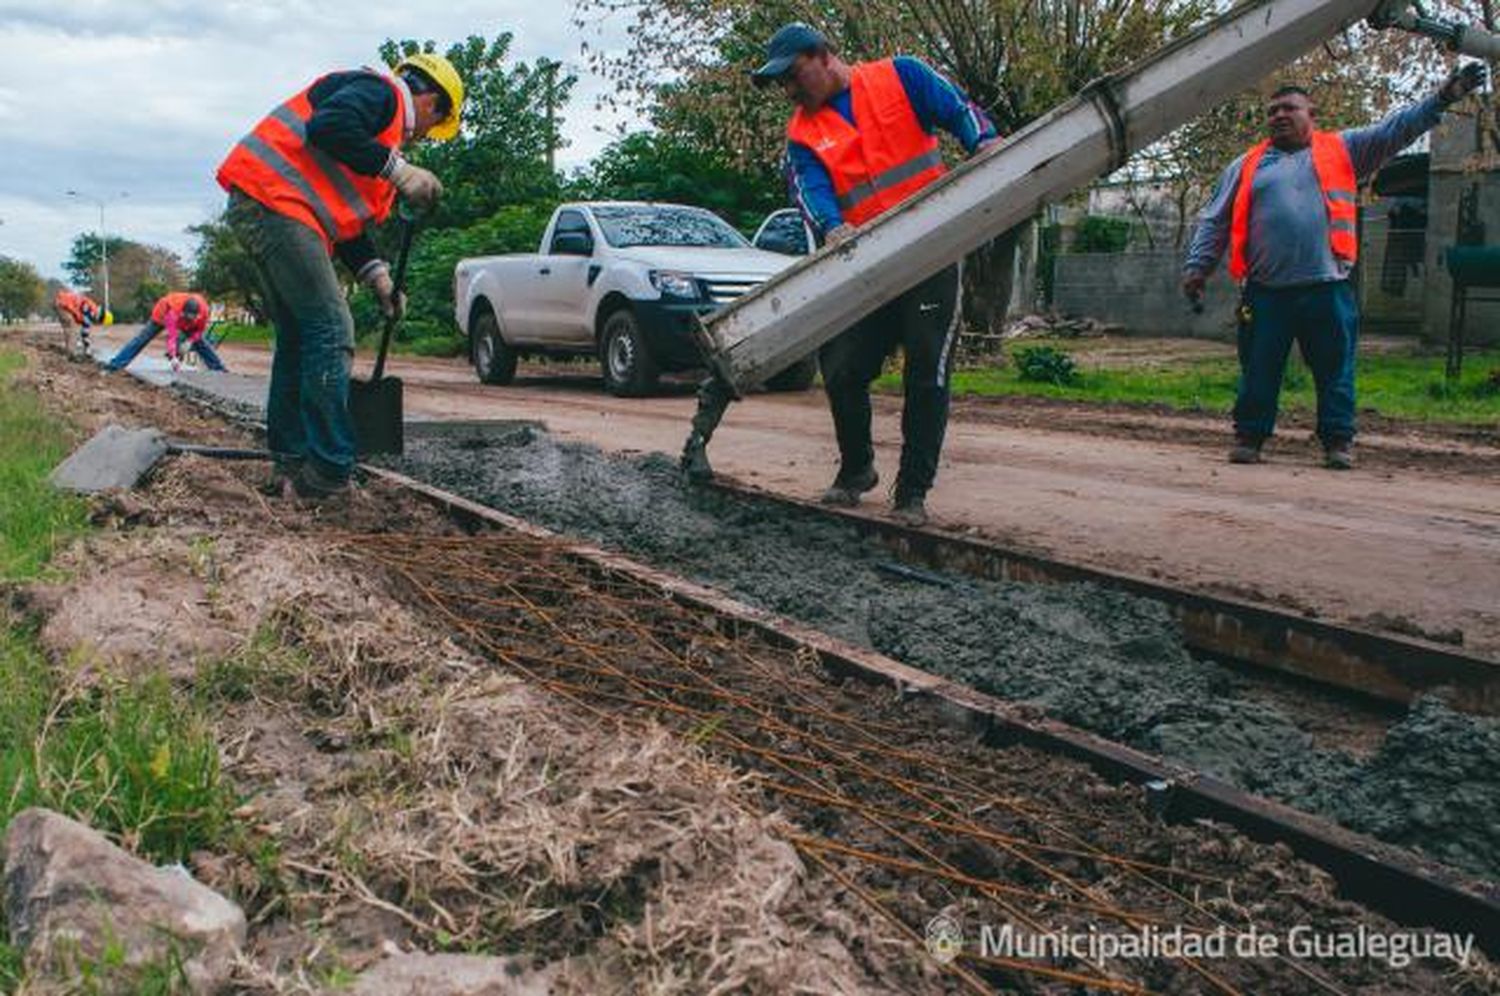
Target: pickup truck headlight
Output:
[{"x": 674, "y": 284}]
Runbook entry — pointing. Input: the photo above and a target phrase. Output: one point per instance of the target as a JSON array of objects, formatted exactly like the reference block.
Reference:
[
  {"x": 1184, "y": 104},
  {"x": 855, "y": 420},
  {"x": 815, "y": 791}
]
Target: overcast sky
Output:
[{"x": 144, "y": 97}]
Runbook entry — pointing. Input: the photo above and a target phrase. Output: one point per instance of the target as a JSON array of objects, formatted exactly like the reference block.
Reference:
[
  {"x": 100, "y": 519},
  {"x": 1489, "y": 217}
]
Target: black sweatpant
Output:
[{"x": 924, "y": 323}]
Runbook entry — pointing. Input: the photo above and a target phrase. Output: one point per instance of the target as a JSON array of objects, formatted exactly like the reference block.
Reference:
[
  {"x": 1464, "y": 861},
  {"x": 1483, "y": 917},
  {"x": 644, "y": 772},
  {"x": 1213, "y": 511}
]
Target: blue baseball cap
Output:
[{"x": 784, "y": 47}]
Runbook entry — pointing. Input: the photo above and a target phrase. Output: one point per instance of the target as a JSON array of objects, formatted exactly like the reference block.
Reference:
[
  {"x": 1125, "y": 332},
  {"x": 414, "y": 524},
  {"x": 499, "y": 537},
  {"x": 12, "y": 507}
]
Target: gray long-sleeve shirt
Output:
[{"x": 1288, "y": 244}]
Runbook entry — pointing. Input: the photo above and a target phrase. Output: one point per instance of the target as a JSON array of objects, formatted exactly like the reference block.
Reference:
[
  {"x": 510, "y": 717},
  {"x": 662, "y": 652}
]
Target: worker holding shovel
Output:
[{"x": 303, "y": 187}]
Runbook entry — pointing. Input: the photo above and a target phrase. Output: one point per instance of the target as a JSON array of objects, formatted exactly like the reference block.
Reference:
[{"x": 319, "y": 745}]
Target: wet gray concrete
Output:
[{"x": 1101, "y": 660}]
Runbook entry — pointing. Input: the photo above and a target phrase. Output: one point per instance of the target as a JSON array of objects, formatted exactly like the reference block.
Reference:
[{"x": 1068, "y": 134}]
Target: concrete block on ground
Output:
[
  {"x": 70, "y": 894},
  {"x": 115, "y": 457},
  {"x": 453, "y": 975}
]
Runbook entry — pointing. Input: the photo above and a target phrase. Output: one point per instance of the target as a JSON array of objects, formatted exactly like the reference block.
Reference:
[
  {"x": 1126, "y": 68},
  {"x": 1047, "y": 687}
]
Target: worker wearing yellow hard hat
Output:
[
  {"x": 304, "y": 185},
  {"x": 437, "y": 72}
]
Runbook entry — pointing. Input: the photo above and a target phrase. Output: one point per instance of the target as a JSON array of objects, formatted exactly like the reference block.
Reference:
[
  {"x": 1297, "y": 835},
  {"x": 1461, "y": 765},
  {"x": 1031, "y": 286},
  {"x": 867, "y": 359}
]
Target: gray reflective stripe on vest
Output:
[
  {"x": 1341, "y": 195},
  {"x": 327, "y": 164},
  {"x": 283, "y": 167},
  {"x": 890, "y": 178},
  {"x": 1341, "y": 226}
]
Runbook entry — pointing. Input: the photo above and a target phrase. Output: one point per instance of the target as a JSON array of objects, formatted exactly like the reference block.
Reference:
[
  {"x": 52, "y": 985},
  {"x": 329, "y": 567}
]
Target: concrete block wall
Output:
[{"x": 1140, "y": 291}]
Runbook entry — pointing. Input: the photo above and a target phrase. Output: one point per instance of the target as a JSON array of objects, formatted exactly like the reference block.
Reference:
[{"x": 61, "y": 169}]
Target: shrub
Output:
[{"x": 1046, "y": 365}]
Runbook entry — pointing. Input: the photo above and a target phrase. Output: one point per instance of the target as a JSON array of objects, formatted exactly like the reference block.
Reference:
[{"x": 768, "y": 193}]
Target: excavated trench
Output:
[{"x": 1108, "y": 662}]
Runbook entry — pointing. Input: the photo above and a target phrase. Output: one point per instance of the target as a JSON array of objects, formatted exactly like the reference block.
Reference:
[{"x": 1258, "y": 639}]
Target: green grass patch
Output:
[
  {"x": 38, "y": 519},
  {"x": 243, "y": 332},
  {"x": 124, "y": 757},
  {"x": 1397, "y": 385}
]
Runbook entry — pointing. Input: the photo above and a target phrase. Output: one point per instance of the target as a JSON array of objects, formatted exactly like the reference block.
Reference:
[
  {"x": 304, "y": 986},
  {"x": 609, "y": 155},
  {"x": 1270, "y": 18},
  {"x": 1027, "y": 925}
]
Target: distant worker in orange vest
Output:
[
  {"x": 303, "y": 186},
  {"x": 862, "y": 140},
  {"x": 179, "y": 314},
  {"x": 77, "y": 311},
  {"x": 1287, "y": 214}
]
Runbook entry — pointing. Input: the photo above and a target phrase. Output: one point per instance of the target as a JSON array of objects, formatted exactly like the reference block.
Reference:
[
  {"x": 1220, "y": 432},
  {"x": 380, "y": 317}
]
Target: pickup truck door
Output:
[{"x": 562, "y": 282}]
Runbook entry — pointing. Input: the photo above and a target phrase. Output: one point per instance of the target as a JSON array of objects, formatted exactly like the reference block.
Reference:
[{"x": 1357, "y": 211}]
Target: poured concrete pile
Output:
[{"x": 1108, "y": 662}]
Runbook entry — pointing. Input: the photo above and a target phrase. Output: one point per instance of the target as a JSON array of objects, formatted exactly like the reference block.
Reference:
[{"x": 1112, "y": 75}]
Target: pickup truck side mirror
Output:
[{"x": 573, "y": 244}]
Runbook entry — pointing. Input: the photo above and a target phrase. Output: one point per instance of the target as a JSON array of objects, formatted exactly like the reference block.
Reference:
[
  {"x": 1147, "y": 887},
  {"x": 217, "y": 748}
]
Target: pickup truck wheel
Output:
[
  {"x": 494, "y": 360},
  {"x": 797, "y": 377},
  {"x": 629, "y": 369}
]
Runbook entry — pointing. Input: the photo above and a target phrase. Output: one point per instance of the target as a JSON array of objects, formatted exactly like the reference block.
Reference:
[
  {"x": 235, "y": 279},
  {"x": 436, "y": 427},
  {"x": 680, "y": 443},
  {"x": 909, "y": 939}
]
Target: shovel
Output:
[{"x": 375, "y": 404}]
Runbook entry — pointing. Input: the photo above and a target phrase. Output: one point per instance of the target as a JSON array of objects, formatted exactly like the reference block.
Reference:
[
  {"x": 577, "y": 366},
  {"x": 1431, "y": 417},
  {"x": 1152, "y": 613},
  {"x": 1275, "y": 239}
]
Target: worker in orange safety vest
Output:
[
  {"x": 862, "y": 139},
  {"x": 1287, "y": 214},
  {"x": 304, "y": 185}
]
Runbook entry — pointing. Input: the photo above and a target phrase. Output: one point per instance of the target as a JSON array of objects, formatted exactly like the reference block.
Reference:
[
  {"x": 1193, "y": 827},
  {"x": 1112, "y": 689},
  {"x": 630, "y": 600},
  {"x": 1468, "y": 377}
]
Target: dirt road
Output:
[{"x": 1409, "y": 541}]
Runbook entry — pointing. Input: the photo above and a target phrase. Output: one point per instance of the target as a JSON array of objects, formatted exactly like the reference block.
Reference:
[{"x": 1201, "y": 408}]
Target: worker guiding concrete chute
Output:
[
  {"x": 861, "y": 140},
  {"x": 78, "y": 312},
  {"x": 1285, "y": 212},
  {"x": 304, "y": 185},
  {"x": 183, "y": 315}
]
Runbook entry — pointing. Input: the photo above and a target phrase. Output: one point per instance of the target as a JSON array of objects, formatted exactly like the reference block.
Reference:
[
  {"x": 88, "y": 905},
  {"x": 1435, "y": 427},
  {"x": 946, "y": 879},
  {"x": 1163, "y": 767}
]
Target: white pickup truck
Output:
[{"x": 617, "y": 280}]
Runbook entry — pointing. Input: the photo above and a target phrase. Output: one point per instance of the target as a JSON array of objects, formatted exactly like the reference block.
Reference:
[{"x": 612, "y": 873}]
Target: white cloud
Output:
[{"x": 146, "y": 96}]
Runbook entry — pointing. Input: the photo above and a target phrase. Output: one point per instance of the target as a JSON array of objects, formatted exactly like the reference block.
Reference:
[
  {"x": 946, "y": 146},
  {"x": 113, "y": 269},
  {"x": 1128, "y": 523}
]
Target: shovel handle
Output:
[{"x": 408, "y": 230}]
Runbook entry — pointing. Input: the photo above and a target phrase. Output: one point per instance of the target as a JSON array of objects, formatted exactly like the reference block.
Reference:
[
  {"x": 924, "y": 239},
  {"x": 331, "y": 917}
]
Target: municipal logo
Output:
[{"x": 945, "y": 938}]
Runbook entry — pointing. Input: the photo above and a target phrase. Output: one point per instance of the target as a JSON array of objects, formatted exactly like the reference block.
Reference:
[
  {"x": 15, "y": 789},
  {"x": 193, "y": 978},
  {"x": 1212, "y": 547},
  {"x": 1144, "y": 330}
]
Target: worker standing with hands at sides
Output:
[
  {"x": 861, "y": 140},
  {"x": 179, "y": 314},
  {"x": 1287, "y": 214},
  {"x": 303, "y": 186}
]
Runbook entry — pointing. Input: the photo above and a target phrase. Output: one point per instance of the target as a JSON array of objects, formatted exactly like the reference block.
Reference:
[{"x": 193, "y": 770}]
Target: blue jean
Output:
[
  {"x": 307, "y": 410},
  {"x": 143, "y": 338},
  {"x": 1324, "y": 321}
]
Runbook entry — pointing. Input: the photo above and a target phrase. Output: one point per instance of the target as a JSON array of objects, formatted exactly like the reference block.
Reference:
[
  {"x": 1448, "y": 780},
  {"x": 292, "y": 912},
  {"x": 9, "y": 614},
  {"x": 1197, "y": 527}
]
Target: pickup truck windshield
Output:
[{"x": 665, "y": 226}]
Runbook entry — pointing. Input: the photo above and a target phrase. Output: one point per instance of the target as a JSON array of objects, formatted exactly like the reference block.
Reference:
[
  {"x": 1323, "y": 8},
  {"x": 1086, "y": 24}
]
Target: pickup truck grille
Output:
[{"x": 723, "y": 291}]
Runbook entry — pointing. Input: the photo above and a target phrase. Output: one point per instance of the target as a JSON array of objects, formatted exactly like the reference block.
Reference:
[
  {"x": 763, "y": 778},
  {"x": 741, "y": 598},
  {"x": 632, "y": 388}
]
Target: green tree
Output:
[
  {"x": 661, "y": 167},
  {"x": 84, "y": 265},
  {"x": 500, "y": 156},
  {"x": 222, "y": 269},
  {"x": 21, "y": 289}
]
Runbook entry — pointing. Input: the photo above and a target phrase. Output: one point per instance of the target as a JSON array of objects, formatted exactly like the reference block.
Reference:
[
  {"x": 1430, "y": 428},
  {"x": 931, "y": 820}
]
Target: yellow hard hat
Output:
[{"x": 441, "y": 72}]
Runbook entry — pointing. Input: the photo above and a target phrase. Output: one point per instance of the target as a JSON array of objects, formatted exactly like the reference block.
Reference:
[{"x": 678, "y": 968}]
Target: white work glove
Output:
[
  {"x": 419, "y": 186},
  {"x": 838, "y": 234},
  {"x": 376, "y": 275}
]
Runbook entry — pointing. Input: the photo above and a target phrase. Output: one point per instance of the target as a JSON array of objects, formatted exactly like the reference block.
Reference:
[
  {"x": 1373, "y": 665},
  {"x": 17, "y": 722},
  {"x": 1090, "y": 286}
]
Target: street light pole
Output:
[{"x": 103, "y": 238}]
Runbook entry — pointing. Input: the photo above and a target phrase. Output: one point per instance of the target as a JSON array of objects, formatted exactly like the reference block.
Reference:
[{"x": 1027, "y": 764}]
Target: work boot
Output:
[
  {"x": 1338, "y": 455},
  {"x": 846, "y": 488},
  {"x": 313, "y": 483},
  {"x": 282, "y": 481},
  {"x": 694, "y": 463},
  {"x": 1246, "y": 450},
  {"x": 909, "y": 508}
]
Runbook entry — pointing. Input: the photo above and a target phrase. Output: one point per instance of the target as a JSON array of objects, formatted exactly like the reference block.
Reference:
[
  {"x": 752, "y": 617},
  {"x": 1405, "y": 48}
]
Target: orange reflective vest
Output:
[
  {"x": 1335, "y": 171},
  {"x": 78, "y": 307},
  {"x": 883, "y": 161},
  {"x": 276, "y": 166},
  {"x": 168, "y": 304}
]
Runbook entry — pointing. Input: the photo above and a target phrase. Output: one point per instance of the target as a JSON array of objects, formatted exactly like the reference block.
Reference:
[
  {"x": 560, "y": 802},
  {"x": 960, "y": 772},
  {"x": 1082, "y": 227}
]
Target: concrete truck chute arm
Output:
[{"x": 790, "y": 316}]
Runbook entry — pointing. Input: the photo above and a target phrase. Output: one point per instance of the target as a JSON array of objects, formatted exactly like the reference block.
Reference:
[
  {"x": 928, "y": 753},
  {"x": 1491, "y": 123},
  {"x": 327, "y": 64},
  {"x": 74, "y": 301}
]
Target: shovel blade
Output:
[{"x": 375, "y": 406}]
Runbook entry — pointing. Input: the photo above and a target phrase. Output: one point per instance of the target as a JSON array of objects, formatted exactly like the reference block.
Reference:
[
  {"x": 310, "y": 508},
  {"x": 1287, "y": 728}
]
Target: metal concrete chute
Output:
[
  {"x": 1464, "y": 39},
  {"x": 791, "y": 315}
]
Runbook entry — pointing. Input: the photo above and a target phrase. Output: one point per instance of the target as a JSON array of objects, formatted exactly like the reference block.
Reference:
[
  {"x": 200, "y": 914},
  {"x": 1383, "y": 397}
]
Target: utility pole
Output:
[{"x": 103, "y": 237}]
